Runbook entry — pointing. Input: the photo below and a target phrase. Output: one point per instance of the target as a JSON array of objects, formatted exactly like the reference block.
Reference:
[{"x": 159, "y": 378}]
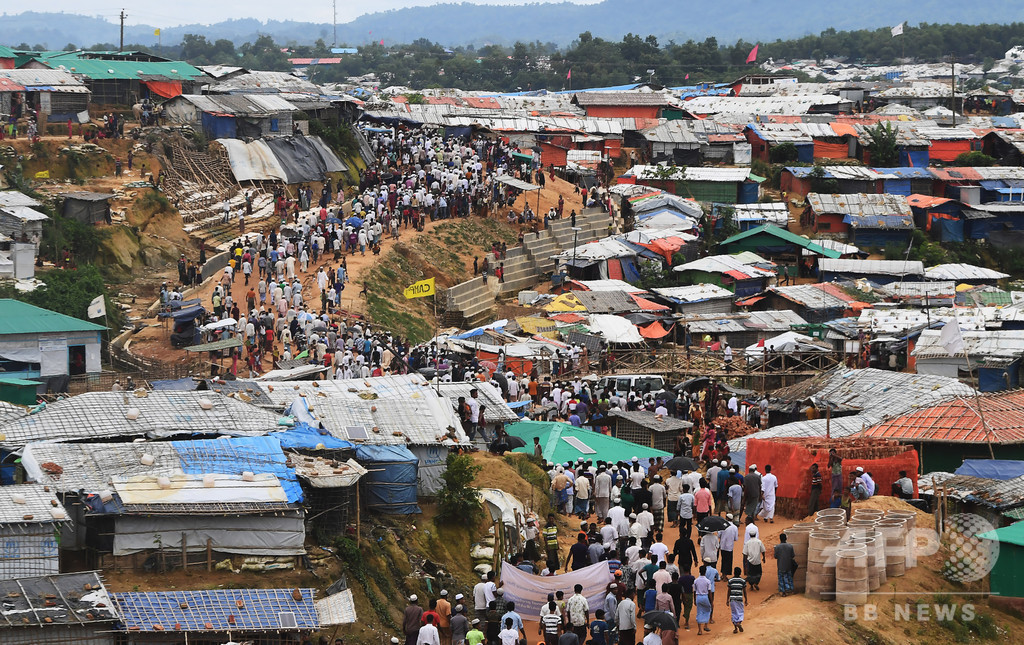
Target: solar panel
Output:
[
  {"x": 579, "y": 445},
  {"x": 287, "y": 620},
  {"x": 357, "y": 432}
]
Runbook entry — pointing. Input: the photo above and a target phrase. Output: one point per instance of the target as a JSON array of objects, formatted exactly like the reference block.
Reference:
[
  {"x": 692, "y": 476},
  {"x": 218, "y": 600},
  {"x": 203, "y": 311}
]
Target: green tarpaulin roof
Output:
[
  {"x": 784, "y": 235},
  {"x": 1013, "y": 534},
  {"x": 18, "y": 317},
  {"x": 98, "y": 69},
  {"x": 226, "y": 343},
  {"x": 562, "y": 442}
]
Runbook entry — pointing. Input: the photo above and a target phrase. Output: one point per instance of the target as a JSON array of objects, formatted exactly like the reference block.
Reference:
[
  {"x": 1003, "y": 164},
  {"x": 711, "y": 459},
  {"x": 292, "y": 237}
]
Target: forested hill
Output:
[{"x": 460, "y": 24}]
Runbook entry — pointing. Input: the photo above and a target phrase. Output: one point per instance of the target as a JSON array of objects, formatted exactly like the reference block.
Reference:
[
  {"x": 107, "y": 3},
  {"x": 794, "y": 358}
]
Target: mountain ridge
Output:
[{"x": 455, "y": 24}]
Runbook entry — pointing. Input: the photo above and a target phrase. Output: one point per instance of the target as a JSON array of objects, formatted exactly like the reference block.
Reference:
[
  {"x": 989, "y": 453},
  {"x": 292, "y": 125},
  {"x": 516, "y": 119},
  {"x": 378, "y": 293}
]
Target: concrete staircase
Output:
[{"x": 471, "y": 303}]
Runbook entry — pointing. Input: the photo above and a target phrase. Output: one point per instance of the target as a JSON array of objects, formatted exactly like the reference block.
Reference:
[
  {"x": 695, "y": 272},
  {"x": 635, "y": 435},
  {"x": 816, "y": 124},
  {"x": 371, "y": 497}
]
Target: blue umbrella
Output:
[
  {"x": 354, "y": 222},
  {"x": 334, "y": 220}
]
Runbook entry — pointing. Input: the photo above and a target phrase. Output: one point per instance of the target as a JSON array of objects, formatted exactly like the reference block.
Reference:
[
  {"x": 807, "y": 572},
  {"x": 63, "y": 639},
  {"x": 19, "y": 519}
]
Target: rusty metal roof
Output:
[{"x": 959, "y": 421}]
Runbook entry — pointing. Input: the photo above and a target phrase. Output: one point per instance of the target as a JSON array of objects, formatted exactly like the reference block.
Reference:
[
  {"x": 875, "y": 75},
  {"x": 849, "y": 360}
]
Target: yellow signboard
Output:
[{"x": 420, "y": 289}]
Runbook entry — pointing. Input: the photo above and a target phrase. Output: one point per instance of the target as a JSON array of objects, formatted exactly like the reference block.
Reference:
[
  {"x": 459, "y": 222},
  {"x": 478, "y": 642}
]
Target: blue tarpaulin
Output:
[
  {"x": 1000, "y": 469},
  {"x": 219, "y": 127},
  {"x": 236, "y": 455},
  {"x": 186, "y": 384},
  {"x": 305, "y": 436},
  {"x": 390, "y": 486}
]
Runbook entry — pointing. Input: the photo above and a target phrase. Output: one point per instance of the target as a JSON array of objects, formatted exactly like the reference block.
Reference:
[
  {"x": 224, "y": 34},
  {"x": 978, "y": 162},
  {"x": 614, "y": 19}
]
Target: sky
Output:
[{"x": 182, "y": 12}]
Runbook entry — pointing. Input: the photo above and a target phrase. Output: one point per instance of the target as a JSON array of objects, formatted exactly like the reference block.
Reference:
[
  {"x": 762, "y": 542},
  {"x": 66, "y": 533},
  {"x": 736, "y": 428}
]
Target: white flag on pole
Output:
[
  {"x": 897, "y": 30},
  {"x": 98, "y": 307},
  {"x": 951, "y": 339}
]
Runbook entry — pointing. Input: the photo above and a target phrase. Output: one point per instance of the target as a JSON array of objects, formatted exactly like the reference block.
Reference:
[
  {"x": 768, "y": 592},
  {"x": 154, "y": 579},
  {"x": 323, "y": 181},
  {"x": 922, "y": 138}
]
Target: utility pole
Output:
[
  {"x": 334, "y": 8},
  {"x": 123, "y": 16}
]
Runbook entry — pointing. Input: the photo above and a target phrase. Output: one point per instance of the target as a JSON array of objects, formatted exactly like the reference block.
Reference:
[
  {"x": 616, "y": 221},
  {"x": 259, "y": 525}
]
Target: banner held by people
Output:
[{"x": 420, "y": 289}]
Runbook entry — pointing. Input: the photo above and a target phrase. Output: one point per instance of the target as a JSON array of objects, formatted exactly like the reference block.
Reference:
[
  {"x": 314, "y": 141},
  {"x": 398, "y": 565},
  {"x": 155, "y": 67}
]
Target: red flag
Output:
[
  {"x": 760, "y": 343},
  {"x": 687, "y": 77},
  {"x": 752, "y": 56},
  {"x": 568, "y": 76},
  {"x": 381, "y": 41}
]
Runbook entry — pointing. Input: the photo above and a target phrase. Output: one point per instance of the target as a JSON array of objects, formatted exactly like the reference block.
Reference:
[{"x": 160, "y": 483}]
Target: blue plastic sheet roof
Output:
[
  {"x": 216, "y": 610},
  {"x": 999, "y": 469},
  {"x": 305, "y": 436},
  {"x": 907, "y": 172},
  {"x": 385, "y": 453},
  {"x": 186, "y": 384},
  {"x": 236, "y": 455}
]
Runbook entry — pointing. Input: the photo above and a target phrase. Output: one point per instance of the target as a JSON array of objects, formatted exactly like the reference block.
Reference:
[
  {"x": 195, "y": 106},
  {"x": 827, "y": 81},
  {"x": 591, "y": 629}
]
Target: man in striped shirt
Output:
[{"x": 737, "y": 599}]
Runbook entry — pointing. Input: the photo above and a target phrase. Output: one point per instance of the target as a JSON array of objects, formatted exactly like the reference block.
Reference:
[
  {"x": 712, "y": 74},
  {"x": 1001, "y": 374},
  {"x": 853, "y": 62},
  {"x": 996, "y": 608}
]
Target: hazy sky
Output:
[{"x": 182, "y": 12}]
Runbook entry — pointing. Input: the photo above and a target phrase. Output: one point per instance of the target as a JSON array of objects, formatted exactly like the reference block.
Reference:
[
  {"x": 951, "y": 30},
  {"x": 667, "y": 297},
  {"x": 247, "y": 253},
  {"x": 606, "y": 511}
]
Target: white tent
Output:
[{"x": 785, "y": 343}]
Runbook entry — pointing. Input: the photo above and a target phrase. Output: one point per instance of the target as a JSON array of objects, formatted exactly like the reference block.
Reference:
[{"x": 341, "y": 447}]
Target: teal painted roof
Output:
[
  {"x": 556, "y": 449},
  {"x": 1012, "y": 534},
  {"x": 96, "y": 68},
  {"x": 18, "y": 317},
  {"x": 10, "y": 380},
  {"x": 6, "y": 52},
  {"x": 786, "y": 236}
]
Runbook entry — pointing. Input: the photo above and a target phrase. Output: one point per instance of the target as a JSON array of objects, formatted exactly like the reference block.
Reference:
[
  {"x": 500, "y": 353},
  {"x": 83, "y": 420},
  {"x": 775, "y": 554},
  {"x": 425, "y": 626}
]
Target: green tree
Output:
[
  {"x": 883, "y": 146},
  {"x": 974, "y": 158},
  {"x": 458, "y": 501},
  {"x": 783, "y": 153},
  {"x": 69, "y": 291}
]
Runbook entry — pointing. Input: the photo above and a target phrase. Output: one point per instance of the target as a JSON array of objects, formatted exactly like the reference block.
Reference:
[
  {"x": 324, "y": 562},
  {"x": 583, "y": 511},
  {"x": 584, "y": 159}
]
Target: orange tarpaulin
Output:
[
  {"x": 948, "y": 150},
  {"x": 646, "y": 304},
  {"x": 843, "y": 129},
  {"x": 665, "y": 246},
  {"x": 825, "y": 150},
  {"x": 166, "y": 89},
  {"x": 655, "y": 330}
]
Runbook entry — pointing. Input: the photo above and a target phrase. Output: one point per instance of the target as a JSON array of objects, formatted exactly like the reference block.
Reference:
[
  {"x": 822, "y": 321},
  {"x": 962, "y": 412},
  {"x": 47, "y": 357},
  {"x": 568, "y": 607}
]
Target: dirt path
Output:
[{"x": 153, "y": 341}]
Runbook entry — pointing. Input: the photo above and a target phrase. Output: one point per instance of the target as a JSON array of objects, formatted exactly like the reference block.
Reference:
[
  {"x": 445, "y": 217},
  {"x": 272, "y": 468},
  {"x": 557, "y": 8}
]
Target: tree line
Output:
[{"x": 596, "y": 62}]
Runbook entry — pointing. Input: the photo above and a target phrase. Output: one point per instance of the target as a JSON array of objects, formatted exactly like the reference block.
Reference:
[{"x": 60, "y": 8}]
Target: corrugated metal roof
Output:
[
  {"x": 671, "y": 132},
  {"x": 608, "y": 285},
  {"x": 725, "y": 264},
  {"x": 960, "y": 421},
  {"x": 694, "y": 293},
  {"x": 982, "y": 346},
  {"x": 60, "y": 600},
  {"x": 497, "y": 411},
  {"x": 860, "y": 204},
  {"x": 18, "y": 317},
  {"x": 240, "y": 104},
  {"x": 263, "y": 82},
  {"x": 842, "y": 172},
  {"x": 606, "y": 302},
  {"x": 878, "y": 394},
  {"x": 621, "y": 98},
  {"x": 813, "y": 296},
  {"x": 60, "y": 80},
  {"x": 672, "y": 173},
  {"x": 760, "y": 105},
  {"x": 867, "y": 267},
  {"x": 1001, "y": 494}
]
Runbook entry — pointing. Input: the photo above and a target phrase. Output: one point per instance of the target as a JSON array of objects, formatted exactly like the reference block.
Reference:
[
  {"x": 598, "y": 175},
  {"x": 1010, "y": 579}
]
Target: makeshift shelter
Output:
[
  {"x": 777, "y": 244},
  {"x": 390, "y": 483},
  {"x": 856, "y": 398},
  {"x": 729, "y": 272},
  {"x": 330, "y": 491},
  {"x": 401, "y": 410},
  {"x": 645, "y": 428},
  {"x": 791, "y": 459},
  {"x": 946, "y": 432},
  {"x": 994, "y": 357},
  {"x": 291, "y": 159},
  {"x": 877, "y": 271},
  {"x": 863, "y": 218},
  {"x": 696, "y": 298},
  {"x": 267, "y": 616},
  {"x": 43, "y": 345},
  {"x": 561, "y": 442},
  {"x": 87, "y": 207},
  {"x": 614, "y": 329},
  {"x": 57, "y": 609},
  {"x": 156, "y": 415},
  {"x": 1005, "y": 582},
  {"x": 30, "y": 521},
  {"x": 774, "y": 350},
  {"x": 998, "y": 501},
  {"x": 816, "y": 303}
]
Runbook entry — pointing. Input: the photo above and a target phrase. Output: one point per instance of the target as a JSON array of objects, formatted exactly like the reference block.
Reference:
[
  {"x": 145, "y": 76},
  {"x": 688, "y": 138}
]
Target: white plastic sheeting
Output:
[
  {"x": 192, "y": 489},
  {"x": 530, "y": 592},
  {"x": 614, "y": 328},
  {"x": 253, "y": 161}
]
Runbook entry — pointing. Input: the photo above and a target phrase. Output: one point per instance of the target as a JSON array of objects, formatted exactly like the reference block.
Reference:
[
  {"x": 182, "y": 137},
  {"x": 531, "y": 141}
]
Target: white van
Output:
[{"x": 622, "y": 383}]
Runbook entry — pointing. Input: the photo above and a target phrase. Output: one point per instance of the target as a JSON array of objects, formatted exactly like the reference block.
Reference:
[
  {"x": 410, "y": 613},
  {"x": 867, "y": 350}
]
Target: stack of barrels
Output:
[{"x": 845, "y": 561}]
